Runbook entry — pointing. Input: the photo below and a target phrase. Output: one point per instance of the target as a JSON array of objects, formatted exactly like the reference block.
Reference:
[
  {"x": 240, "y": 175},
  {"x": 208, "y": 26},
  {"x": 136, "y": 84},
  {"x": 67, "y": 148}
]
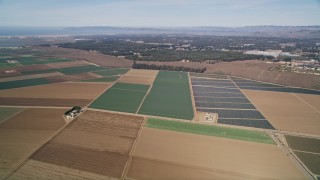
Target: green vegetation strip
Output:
[
  {"x": 39, "y": 71},
  {"x": 312, "y": 161},
  {"x": 210, "y": 130},
  {"x": 169, "y": 96},
  {"x": 303, "y": 144},
  {"x": 32, "y": 60},
  {"x": 23, "y": 83},
  {"x": 121, "y": 97},
  {"x": 112, "y": 72},
  {"x": 6, "y": 112},
  {"x": 80, "y": 69},
  {"x": 103, "y": 79}
]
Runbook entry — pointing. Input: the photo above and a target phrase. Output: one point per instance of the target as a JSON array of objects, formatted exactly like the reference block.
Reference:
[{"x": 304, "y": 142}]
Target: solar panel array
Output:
[{"x": 218, "y": 94}]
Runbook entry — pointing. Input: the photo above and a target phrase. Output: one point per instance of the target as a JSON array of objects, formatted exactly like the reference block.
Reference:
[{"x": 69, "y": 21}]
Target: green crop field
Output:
[
  {"x": 210, "y": 130},
  {"x": 303, "y": 144},
  {"x": 112, "y": 72},
  {"x": 169, "y": 96},
  {"x": 121, "y": 97},
  {"x": 6, "y": 112},
  {"x": 80, "y": 69},
  {"x": 23, "y": 83},
  {"x": 39, "y": 71},
  {"x": 32, "y": 60},
  {"x": 103, "y": 79},
  {"x": 312, "y": 161}
]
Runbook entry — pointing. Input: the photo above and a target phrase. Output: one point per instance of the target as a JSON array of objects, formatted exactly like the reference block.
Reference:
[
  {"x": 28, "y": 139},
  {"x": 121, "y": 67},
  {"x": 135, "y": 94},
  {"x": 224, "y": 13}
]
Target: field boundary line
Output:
[
  {"x": 306, "y": 152},
  {"x": 129, "y": 89},
  {"x": 145, "y": 96},
  {"x": 12, "y": 115},
  {"x": 50, "y": 107},
  {"x": 318, "y": 111},
  {"x": 127, "y": 166},
  {"x": 195, "y": 114}
]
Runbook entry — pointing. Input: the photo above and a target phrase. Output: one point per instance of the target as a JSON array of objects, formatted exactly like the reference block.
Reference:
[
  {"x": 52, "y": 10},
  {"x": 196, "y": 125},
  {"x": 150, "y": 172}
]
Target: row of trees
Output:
[{"x": 168, "y": 68}]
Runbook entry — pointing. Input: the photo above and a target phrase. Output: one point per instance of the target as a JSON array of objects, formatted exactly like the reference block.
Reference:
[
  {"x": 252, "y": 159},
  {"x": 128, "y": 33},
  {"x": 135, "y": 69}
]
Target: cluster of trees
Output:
[{"x": 168, "y": 68}]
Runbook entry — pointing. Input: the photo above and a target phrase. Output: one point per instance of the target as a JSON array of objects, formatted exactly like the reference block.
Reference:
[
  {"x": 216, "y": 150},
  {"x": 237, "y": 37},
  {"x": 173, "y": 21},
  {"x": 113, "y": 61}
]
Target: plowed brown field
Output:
[
  {"x": 39, "y": 170},
  {"x": 219, "y": 156},
  {"x": 24, "y": 133},
  {"x": 57, "y": 91},
  {"x": 95, "y": 142},
  {"x": 287, "y": 112}
]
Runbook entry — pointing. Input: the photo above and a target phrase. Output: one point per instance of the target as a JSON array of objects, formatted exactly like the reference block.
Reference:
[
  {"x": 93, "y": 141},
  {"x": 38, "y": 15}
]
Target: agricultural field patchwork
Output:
[
  {"x": 103, "y": 79},
  {"x": 121, "y": 97},
  {"x": 95, "y": 145},
  {"x": 169, "y": 96},
  {"x": 80, "y": 69}
]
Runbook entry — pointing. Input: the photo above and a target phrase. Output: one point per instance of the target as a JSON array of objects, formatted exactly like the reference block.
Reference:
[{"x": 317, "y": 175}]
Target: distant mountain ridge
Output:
[{"x": 255, "y": 31}]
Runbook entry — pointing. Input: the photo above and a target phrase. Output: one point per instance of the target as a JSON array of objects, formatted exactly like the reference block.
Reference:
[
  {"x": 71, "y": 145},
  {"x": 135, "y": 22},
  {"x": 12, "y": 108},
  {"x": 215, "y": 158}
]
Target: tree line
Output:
[{"x": 168, "y": 68}]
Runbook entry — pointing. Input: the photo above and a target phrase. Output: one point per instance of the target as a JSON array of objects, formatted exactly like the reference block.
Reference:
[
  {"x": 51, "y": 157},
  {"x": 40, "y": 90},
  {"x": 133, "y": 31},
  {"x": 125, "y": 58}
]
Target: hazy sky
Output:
[{"x": 158, "y": 12}]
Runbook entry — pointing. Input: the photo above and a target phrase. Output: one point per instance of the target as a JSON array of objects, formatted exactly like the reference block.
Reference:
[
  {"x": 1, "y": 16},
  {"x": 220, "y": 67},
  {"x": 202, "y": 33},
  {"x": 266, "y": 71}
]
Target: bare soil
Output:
[
  {"x": 136, "y": 80},
  {"x": 313, "y": 100},
  {"x": 11, "y": 101},
  {"x": 142, "y": 72},
  {"x": 95, "y": 142},
  {"x": 285, "y": 111},
  {"x": 36, "y": 119},
  {"x": 142, "y": 168},
  {"x": 251, "y": 160},
  {"x": 97, "y": 58},
  {"x": 24, "y": 133},
  {"x": 58, "y": 91},
  {"x": 39, "y": 170}
]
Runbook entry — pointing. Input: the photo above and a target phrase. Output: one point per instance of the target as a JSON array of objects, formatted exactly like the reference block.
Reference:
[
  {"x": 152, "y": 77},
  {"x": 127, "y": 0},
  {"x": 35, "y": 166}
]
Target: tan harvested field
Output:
[
  {"x": 75, "y": 77},
  {"x": 31, "y": 76},
  {"x": 313, "y": 100},
  {"x": 24, "y": 133},
  {"x": 147, "y": 169},
  {"x": 140, "y": 76},
  {"x": 39, "y": 170},
  {"x": 97, "y": 58},
  {"x": 136, "y": 80},
  {"x": 219, "y": 156},
  {"x": 3, "y": 74},
  {"x": 11, "y": 101},
  {"x": 57, "y": 91},
  {"x": 285, "y": 111},
  {"x": 142, "y": 72},
  {"x": 68, "y": 64},
  {"x": 95, "y": 142}
]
